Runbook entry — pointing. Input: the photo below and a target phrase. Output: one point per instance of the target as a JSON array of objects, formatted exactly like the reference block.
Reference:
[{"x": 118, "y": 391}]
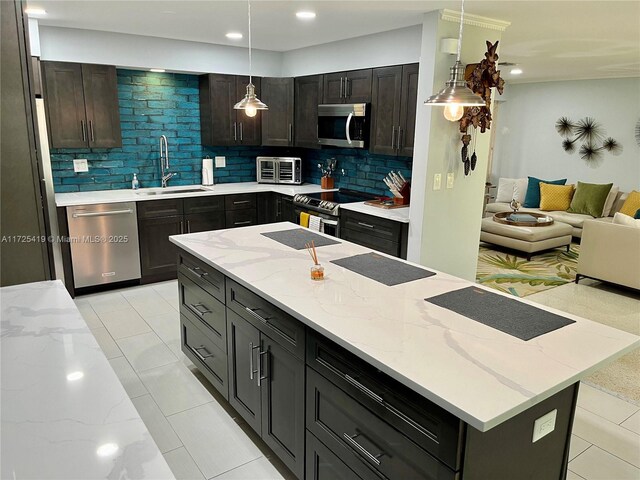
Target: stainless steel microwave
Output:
[
  {"x": 286, "y": 170},
  {"x": 343, "y": 125}
]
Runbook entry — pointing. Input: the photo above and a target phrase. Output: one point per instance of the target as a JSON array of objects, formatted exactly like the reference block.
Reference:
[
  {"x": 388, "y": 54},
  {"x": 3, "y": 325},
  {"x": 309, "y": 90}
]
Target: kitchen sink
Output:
[{"x": 173, "y": 191}]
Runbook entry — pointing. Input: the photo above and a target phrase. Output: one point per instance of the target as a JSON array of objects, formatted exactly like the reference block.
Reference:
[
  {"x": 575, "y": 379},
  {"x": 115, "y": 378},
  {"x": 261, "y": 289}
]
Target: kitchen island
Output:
[
  {"x": 65, "y": 414},
  {"x": 378, "y": 362}
]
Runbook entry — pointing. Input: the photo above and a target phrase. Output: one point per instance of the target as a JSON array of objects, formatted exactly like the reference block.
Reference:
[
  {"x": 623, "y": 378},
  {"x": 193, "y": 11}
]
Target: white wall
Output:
[
  {"x": 136, "y": 51},
  {"x": 394, "y": 47},
  {"x": 528, "y": 144}
]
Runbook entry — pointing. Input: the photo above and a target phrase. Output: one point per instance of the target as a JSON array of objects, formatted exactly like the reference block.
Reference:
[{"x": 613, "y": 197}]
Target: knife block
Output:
[
  {"x": 406, "y": 195},
  {"x": 326, "y": 182}
]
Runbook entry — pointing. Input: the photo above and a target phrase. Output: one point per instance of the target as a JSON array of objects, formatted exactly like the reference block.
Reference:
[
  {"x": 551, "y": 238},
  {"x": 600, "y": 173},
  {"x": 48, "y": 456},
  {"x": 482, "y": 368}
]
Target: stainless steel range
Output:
[{"x": 326, "y": 205}]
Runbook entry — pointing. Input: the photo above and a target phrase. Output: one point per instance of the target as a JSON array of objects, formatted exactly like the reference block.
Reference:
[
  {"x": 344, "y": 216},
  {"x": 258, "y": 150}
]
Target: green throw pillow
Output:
[{"x": 589, "y": 198}]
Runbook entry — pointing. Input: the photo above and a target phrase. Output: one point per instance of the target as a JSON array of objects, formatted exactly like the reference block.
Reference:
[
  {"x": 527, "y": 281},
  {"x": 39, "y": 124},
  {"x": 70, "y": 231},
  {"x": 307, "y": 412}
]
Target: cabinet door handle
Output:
[
  {"x": 241, "y": 129},
  {"x": 196, "y": 309},
  {"x": 188, "y": 226},
  {"x": 399, "y": 138},
  {"x": 368, "y": 455},
  {"x": 93, "y": 138},
  {"x": 181, "y": 226},
  {"x": 252, "y": 372},
  {"x": 347, "y": 87},
  {"x": 235, "y": 132},
  {"x": 363, "y": 389},
  {"x": 290, "y": 133},
  {"x": 366, "y": 225},
  {"x": 393, "y": 137},
  {"x": 341, "y": 86},
  {"x": 199, "y": 355},
  {"x": 260, "y": 367},
  {"x": 84, "y": 134},
  {"x": 194, "y": 271}
]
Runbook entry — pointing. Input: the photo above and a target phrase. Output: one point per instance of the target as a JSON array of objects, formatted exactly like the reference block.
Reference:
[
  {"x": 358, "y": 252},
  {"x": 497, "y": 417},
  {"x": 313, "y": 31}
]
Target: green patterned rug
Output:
[{"x": 516, "y": 275}]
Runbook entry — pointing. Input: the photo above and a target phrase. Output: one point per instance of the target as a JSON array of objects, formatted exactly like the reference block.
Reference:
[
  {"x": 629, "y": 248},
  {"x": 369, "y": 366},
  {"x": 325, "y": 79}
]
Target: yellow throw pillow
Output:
[
  {"x": 631, "y": 204},
  {"x": 555, "y": 197}
]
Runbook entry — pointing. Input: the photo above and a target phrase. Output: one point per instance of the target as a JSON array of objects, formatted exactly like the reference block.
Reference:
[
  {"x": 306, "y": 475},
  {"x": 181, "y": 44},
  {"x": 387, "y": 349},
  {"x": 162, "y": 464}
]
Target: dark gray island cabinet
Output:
[{"x": 332, "y": 412}]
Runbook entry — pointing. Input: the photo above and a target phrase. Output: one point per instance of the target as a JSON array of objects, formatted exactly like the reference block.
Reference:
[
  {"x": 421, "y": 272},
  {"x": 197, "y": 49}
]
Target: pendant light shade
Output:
[
  {"x": 250, "y": 103},
  {"x": 456, "y": 94}
]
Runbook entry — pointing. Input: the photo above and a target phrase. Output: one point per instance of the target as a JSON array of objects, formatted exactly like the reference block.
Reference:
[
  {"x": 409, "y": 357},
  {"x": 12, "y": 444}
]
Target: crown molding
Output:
[{"x": 475, "y": 20}]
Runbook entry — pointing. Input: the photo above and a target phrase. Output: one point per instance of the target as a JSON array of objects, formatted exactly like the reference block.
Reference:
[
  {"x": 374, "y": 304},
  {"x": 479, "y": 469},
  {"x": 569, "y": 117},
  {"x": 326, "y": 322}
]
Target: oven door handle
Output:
[{"x": 347, "y": 127}]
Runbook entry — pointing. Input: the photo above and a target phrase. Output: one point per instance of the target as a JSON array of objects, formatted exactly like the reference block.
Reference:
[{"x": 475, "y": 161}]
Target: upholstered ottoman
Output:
[{"x": 526, "y": 239}]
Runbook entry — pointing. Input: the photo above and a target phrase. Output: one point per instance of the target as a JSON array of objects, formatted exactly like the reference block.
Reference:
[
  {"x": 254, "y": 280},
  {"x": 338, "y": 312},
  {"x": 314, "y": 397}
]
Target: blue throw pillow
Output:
[
  {"x": 637, "y": 215},
  {"x": 532, "y": 199}
]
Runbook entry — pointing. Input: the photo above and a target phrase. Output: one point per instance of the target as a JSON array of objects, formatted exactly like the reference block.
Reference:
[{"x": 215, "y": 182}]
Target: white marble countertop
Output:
[
  {"x": 128, "y": 195},
  {"x": 397, "y": 214},
  {"x": 479, "y": 374},
  {"x": 65, "y": 414}
]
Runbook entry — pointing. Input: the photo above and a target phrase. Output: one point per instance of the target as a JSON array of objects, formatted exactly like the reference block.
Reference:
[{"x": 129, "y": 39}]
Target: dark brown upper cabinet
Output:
[
  {"x": 82, "y": 105},
  {"x": 348, "y": 87},
  {"x": 308, "y": 95},
  {"x": 220, "y": 123},
  {"x": 277, "y": 122},
  {"x": 393, "y": 110}
]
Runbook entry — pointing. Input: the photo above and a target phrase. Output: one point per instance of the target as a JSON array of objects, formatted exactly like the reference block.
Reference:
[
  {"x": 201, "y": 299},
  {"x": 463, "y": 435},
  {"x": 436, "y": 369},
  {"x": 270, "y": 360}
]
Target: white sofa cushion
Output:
[
  {"x": 573, "y": 219},
  {"x": 608, "y": 203},
  {"x": 511, "y": 188},
  {"x": 622, "y": 219}
]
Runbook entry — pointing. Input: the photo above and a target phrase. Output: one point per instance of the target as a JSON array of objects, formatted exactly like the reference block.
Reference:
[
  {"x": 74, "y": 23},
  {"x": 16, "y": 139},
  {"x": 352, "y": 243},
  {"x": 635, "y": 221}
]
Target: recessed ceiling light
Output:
[
  {"x": 306, "y": 15},
  {"x": 73, "y": 376},
  {"x": 157, "y": 70},
  {"x": 107, "y": 449},
  {"x": 516, "y": 71},
  {"x": 35, "y": 11},
  {"x": 234, "y": 35}
]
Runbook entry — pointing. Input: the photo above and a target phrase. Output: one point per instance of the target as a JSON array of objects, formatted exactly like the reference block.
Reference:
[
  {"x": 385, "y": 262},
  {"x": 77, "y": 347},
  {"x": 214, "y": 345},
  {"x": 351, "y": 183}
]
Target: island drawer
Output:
[
  {"x": 160, "y": 208},
  {"x": 206, "y": 277},
  {"x": 209, "y": 359},
  {"x": 203, "y": 310},
  {"x": 323, "y": 464},
  {"x": 240, "y": 201},
  {"x": 241, "y": 218},
  {"x": 339, "y": 422},
  {"x": 370, "y": 225},
  {"x": 213, "y": 203},
  {"x": 280, "y": 326},
  {"x": 428, "y": 425}
]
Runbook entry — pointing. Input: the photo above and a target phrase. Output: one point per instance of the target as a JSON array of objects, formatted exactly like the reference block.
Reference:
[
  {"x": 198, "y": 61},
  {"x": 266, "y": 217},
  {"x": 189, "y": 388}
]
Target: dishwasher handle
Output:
[{"x": 101, "y": 214}]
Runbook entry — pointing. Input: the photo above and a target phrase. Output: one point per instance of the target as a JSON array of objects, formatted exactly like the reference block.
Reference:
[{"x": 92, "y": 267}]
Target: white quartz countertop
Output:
[
  {"x": 128, "y": 195},
  {"x": 478, "y": 373},
  {"x": 65, "y": 414},
  {"x": 397, "y": 214}
]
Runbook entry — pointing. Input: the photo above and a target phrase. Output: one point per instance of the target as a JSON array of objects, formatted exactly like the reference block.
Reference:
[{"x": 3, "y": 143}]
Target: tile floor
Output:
[{"x": 201, "y": 438}]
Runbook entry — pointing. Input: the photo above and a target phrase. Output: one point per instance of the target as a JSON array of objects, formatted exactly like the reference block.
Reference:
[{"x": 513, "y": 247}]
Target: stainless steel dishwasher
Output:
[{"x": 104, "y": 243}]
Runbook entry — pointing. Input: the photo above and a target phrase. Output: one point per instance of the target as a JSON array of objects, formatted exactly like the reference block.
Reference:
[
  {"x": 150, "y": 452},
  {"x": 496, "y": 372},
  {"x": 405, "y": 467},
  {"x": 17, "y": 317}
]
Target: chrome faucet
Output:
[{"x": 164, "y": 161}]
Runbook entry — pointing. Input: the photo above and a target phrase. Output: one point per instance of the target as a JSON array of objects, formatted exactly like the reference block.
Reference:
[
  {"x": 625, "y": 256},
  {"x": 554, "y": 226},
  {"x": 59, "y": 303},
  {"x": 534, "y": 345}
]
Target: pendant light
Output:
[
  {"x": 456, "y": 95},
  {"x": 250, "y": 103}
]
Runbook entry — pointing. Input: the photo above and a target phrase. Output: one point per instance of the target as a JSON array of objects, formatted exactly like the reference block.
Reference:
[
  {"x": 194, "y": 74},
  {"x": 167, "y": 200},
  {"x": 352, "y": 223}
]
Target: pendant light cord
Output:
[
  {"x": 459, "y": 33},
  {"x": 249, "y": 13}
]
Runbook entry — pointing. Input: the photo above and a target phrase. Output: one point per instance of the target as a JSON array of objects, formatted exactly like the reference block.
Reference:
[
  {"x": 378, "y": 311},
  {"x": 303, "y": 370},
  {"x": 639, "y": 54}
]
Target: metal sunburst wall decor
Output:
[{"x": 592, "y": 136}]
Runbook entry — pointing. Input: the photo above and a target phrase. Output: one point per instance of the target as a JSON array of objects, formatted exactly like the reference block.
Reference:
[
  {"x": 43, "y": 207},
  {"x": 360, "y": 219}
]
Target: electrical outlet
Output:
[
  {"x": 437, "y": 181},
  {"x": 80, "y": 165},
  {"x": 450, "y": 180},
  {"x": 544, "y": 425},
  {"x": 221, "y": 162}
]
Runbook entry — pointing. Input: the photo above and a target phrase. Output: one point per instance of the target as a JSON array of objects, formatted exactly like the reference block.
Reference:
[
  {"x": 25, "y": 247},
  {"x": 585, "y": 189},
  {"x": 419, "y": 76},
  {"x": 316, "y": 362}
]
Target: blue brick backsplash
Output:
[{"x": 154, "y": 104}]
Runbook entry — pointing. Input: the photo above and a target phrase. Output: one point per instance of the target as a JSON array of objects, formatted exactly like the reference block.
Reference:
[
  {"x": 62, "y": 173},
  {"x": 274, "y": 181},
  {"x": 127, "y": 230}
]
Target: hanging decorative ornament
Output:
[
  {"x": 466, "y": 139},
  {"x": 474, "y": 157},
  {"x": 250, "y": 103}
]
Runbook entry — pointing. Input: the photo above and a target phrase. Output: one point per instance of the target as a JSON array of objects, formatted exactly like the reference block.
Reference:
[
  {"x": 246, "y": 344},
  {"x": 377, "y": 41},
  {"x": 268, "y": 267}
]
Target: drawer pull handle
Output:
[
  {"x": 256, "y": 315},
  {"x": 247, "y": 222},
  {"x": 199, "y": 355},
  {"x": 252, "y": 372},
  {"x": 201, "y": 313},
  {"x": 240, "y": 202},
  {"x": 194, "y": 270},
  {"x": 368, "y": 455},
  {"x": 260, "y": 367},
  {"x": 363, "y": 389},
  {"x": 365, "y": 225}
]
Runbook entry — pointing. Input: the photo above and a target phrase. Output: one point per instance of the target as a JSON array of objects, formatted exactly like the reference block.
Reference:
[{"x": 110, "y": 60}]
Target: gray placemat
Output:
[
  {"x": 297, "y": 237},
  {"x": 383, "y": 269},
  {"x": 510, "y": 316}
]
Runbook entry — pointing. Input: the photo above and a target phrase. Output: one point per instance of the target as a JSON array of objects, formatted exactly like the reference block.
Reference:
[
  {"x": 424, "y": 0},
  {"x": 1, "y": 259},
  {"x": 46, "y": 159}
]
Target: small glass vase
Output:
[{"x": 317, "y": 272}]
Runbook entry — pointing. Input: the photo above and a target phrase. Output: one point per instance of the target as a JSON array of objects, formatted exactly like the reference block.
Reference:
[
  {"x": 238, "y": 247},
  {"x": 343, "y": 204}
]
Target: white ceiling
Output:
[{"x": 550, "y": 40}]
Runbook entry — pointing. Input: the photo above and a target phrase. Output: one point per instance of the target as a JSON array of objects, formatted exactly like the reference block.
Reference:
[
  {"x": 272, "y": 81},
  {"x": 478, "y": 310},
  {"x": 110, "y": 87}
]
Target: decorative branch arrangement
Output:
[
  {"x": 481, "y": 78},
  {"x": 591, "y": 134}
]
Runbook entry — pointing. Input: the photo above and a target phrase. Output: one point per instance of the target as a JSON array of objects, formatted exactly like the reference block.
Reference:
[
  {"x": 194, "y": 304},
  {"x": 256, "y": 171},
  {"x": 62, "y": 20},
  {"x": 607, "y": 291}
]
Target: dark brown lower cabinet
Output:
[
  {"x": 266, "y": 387},
  {"x": 203, "y": 222},
  {"x": 323, "y": 464},
  {"x": 157, "y": 253}
]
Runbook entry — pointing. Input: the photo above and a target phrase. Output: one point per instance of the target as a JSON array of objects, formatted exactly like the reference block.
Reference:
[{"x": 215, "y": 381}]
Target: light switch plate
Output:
[
  {"x": 80, "y": 165},
  {"x": 450, "y": 180},
  {"x": 437, "y": 181},
  {"x": 221, "y": 162},
  {"x": 544, "y": 425}
]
